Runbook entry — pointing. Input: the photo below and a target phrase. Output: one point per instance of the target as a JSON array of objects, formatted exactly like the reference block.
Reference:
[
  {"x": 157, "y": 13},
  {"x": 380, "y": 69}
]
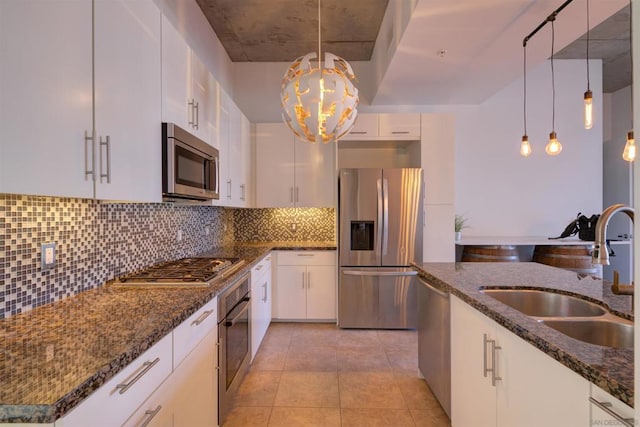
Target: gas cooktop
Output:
[{"x": 196, "y": 271}]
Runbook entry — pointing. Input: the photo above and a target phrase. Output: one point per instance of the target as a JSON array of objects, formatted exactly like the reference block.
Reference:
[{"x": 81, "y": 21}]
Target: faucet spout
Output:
[{"x": 600, "y": 254}]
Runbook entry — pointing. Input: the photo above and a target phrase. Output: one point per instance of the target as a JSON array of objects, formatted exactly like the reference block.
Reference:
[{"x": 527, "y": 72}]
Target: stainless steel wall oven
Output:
[{"x": 235, "y": 341}]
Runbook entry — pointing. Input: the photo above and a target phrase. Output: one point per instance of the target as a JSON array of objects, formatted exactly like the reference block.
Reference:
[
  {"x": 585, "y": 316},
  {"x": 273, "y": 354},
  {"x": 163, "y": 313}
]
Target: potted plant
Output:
[{"x": 459, "y": 224}]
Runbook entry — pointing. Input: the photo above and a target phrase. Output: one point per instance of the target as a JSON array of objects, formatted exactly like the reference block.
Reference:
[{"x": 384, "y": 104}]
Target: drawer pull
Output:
[
  {"x": 202, "y": 317},
  {"x": 258, "y": 268},
  {"x": 358, "y": 132},
  {"x": 606, "y": 407},
  {"x": 150, "y": 415},
  {"x": 396, "y": 132},
  {"x": 306, "y": 254},
  {"x": 147, "y": 367}
]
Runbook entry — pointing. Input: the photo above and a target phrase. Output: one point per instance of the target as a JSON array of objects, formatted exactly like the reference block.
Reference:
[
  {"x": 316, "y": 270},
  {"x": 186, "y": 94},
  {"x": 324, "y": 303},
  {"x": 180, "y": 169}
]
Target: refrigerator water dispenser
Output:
[{"x": 362, "y": 233}]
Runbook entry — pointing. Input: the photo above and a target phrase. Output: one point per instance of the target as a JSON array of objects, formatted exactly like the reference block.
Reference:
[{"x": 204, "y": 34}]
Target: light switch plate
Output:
[{"x": 48, "y": 258}]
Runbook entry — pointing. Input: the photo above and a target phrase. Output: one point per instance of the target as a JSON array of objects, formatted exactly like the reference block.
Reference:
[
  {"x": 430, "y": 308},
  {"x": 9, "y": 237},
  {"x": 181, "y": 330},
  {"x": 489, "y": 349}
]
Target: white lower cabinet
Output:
[
  {"x": 305, "y": 286},
  {"x": 260, "y": 302},
  {"x": 498, "y": 379},
  {"x": 174, "y": 383},
  {"x": 606, "y": 410}
]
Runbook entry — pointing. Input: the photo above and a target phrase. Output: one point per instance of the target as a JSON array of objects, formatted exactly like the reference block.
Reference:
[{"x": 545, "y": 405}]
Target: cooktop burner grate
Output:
[{"x": 185, "y": 270}]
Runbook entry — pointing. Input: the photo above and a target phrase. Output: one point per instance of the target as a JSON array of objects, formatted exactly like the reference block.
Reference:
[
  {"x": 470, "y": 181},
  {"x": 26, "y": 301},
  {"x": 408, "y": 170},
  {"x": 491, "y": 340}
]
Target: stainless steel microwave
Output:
[{"x": 190, "y": 168}]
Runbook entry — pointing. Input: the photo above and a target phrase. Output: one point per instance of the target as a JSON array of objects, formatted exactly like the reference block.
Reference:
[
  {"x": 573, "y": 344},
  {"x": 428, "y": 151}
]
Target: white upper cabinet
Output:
[
  {"x": 234, "y": 145},
  {"x": 45, "y": 98},
  {"x": 292, "y": 173},
  {"x": 274, "y": 165},
  {"x": 189, "y": 96},
  {"x": 399, "y": 126},
  {"x": 385, "y": 127},
  {"x": 127, "y": 101},
  {"x": 47, "y": 102}
]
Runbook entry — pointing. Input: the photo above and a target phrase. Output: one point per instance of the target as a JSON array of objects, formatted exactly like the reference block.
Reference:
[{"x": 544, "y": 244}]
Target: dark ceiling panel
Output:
[{"x": 282, "y": 30}]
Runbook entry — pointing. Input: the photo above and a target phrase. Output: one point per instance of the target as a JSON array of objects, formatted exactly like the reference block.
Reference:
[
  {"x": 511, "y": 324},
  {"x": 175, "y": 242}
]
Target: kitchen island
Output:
[
  {"x": 611, "y": 369},
  {"x": 55, "y": 356}
]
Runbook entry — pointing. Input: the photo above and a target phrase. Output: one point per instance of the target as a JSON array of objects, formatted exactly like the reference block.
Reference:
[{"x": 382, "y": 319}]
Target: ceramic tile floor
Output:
[{"x": 307, "y": 374}]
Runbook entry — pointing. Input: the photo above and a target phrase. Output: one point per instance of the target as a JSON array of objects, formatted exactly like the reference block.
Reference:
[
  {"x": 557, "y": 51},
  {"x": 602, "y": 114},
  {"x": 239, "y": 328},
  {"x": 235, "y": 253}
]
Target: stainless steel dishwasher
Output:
[{"x": 434, "y": 341}]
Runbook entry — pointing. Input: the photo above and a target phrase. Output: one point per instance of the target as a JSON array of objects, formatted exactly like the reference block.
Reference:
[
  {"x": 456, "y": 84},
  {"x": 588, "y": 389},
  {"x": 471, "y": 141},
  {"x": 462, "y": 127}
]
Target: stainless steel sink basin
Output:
[
  {"x": 537, "y": 303},
  {"x": 599, "y": 332}
]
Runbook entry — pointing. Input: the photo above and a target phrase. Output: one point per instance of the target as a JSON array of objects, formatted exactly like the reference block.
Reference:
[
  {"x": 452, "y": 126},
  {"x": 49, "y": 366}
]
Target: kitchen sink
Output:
[
  {"x": 537, "y": 303},
  {"x": 607, "y": 333}
]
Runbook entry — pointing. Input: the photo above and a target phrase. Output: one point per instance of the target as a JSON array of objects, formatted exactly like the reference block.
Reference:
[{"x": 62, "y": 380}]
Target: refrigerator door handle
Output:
[
  {"x": 385, "y": 202},
  {"x": 379, "y": 273},
  {"x": 380, "y": 216}
]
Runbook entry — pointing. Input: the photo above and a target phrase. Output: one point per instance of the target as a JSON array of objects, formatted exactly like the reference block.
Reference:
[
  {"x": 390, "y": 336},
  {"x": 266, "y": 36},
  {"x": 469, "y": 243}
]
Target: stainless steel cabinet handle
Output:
[
  {"x": 303, "y": 280},
  {"x": 264, "y": 290},
  {"x": 385, "y": 202},
  {"x": 258, "y": 268},
  {"x": 494, "y": 347},
  {"x": 358, "y": 132},
  {"x": 228, "y": 189},
  {"x": 436, "y": 290},
  {"x": 107, "y": 144},
  {"x": 218, "y": 346},
  {"x": 89, "y": 139},
  {"x": 147, "y": 367},
  {"x": 306, "y": 254},
  {"x": 201, "y": 318},
  {"x": 197, "y": 115},
  {"x": 192, "y": 104},
  {"x": 606, "y": 407},
  {"x": 308, "y": 279},
  {"x": 149, "y": 415},
  {"x": 494, "y": 377},
  {"x": 242, "y": 197},
  {"x": 395, "y": 132},
  {"x": 379, "y": 273}
]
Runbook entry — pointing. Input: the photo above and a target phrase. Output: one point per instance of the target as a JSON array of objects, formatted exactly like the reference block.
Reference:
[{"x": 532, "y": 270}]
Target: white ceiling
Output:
[{"x": 483, "y": 40}]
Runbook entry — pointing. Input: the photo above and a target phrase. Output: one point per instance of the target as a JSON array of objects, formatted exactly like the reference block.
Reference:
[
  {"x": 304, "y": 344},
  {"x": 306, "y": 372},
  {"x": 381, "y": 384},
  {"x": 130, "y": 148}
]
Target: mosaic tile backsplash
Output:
[
  {"x": 285, "y": 224},
  {"x": 96, "y": 242}
]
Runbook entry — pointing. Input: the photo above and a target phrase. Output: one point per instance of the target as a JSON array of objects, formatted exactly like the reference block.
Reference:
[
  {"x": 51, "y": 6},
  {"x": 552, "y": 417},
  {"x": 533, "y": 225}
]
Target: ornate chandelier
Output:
[{"x": 320, "y": 104}]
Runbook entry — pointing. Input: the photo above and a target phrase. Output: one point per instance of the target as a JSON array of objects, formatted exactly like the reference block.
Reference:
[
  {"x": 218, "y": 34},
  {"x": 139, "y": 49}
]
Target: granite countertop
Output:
[
  {"x": 56, "y": 355},
  {"x": 609, "y": 368}
]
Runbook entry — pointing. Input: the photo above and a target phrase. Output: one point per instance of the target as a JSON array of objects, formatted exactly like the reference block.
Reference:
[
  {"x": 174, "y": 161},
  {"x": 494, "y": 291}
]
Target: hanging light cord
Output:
[
  {"x": 525, "y": 90},
  {"x": 588, "y": 77},
  {"x": 319, "y": 37},
  {"x": 631, "y": 55},
  {"x": 553, "y": 80}
]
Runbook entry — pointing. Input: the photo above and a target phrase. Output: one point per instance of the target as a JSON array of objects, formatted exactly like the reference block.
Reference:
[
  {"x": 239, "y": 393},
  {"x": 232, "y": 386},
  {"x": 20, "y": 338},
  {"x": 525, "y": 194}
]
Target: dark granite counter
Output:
[
  {"x": 54, "y": 356},
  {"x": 609, "y": 368}
]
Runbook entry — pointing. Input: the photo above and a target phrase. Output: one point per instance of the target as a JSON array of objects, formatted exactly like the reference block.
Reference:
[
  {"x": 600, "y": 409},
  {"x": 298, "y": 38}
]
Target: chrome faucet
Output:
[{"x": 600, "y": 254}]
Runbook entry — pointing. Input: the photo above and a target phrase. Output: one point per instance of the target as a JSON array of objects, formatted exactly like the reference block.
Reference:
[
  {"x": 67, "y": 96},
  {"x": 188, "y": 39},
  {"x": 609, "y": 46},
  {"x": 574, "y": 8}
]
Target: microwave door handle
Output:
[{"x": 215, "y": 163}]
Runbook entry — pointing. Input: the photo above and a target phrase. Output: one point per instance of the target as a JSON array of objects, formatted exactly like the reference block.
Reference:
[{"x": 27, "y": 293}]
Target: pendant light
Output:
[
  {"x": 629, "y": 153},
  {"x": 553, "y": 147},
  {"x": 525, "y": 148},
  {"x": 588, "y": 95},
  {"x": 320, "y": 104}
]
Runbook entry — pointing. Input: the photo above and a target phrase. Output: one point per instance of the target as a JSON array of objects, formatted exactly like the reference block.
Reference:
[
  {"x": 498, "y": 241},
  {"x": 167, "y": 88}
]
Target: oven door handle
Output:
[{"x": 231, "y": 322}]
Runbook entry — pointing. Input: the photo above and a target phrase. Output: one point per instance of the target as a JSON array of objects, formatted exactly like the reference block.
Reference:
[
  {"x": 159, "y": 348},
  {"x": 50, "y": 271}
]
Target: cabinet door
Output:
[
  {"x": 45, "y": 106},
  {"x": 473, "y": 398},
  {"x": 195, "y": 385},
  {"x": 321, "y": 292},
  {"x": 260, "y": 306},
  {"x": 127, "y": 100},
  {"x": 399, "y": 126},
  {"x": 315, "y": 174},
  {"x": 176, "y": 77},
  {"x": 274, "y": 166},
  {"x": 291, "y": 295},
  {"x": 600, "y": 417},
  {"x": 201, "y": 97},
  {"x": 246, "y": 190},
  {"x": 365, "y": 126},
  {"x": 536, "y": 390},
  {"x": 224, "y": 117}
]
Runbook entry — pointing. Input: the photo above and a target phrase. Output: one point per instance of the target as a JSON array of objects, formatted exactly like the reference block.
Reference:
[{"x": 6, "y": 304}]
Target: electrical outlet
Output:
[
  {"x": 293, "y": 226},
  {"x": 49, "y": 353},
  {"x": 48, "y": 257},
  {"x": 179, "y": 235}
]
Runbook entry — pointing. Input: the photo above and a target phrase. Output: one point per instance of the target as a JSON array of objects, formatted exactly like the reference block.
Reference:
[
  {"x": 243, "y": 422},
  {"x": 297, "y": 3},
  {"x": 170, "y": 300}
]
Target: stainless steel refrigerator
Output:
[{"x": 380, "y": 227}]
